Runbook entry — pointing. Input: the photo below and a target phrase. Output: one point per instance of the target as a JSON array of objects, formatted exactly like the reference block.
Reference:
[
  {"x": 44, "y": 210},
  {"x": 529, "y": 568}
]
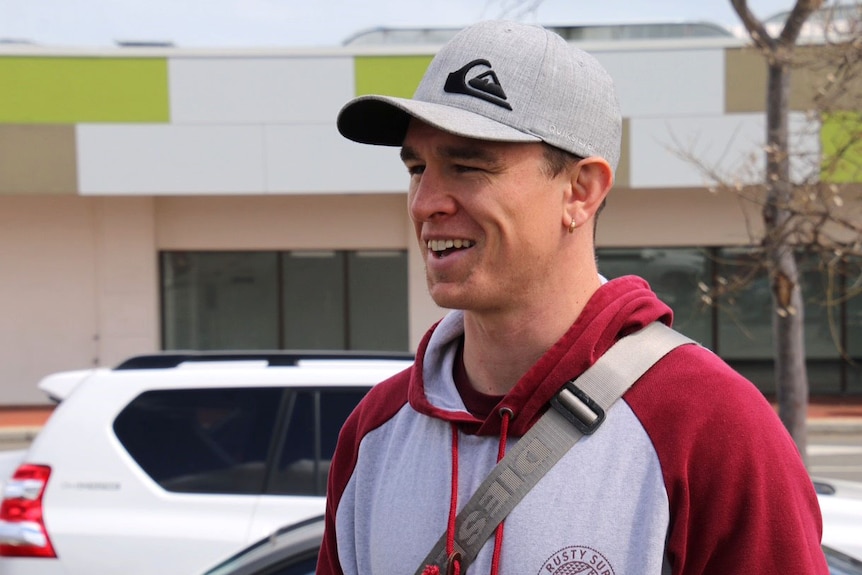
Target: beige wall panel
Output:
[
  {"x": 281, "y": 222},
  {"x": 746, "y": 79},
  {"x": 47, "y": 292},
  {"x": 827, "y": 78},
  {"x": 79, "y": 287},
  {"x": 676, "y": 217},
  {"x": 37, "y": 159},
  {"x": 127, "y": 278}
]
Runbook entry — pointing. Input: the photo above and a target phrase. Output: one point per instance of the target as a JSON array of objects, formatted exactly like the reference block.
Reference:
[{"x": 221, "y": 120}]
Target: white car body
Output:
[
  {"x": 841, "y": 507},
  {"x": 9, "y": 462},
  {"x": 105, "y": 515}
]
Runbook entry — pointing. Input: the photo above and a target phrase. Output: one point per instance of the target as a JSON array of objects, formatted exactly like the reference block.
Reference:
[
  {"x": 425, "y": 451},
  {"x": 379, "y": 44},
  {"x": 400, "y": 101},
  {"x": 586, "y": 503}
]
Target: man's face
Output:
[{"x": 488, "y": 217}]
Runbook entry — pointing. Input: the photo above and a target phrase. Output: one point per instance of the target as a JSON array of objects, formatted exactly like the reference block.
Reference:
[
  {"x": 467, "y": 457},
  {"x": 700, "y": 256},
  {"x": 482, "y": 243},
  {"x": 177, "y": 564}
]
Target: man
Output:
[{"x": 511, "y": 142}]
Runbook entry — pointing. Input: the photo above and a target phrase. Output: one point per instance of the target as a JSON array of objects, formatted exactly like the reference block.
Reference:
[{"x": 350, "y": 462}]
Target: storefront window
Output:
[
  {"x": 285, "y": 300},
  {"x": 746, "y": 313},
  {"x": 312, "y": 299},
  {"x": 744, "y": 308},
  {"x": 675, "y": 275},
  {"x": 850, "y": 276},
  {"x": 219, "y": 300},
  {"x": 377, "y": 300}
]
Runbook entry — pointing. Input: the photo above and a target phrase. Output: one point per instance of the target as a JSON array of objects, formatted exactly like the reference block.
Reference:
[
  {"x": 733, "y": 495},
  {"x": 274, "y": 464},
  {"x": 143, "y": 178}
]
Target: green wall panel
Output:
[
  {"x": 38, "y": 90},
  {"x": 389, "y": 75},
  {"x": 842, "y": 148}
]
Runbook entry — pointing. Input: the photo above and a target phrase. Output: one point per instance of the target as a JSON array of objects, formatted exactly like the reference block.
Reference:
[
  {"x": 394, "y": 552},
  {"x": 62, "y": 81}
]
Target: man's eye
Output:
[
  {"x": 460, "y": 168},
  {"x": 415, "y": 170}
]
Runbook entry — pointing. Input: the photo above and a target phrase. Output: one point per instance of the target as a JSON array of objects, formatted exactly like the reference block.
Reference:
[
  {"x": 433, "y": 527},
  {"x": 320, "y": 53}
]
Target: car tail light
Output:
[{"x": 22, "y": 528}]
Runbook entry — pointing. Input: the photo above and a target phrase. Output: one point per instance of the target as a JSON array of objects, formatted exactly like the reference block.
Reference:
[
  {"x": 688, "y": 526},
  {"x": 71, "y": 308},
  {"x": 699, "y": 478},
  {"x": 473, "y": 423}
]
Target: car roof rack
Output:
[{"x": 169, "y": 359}]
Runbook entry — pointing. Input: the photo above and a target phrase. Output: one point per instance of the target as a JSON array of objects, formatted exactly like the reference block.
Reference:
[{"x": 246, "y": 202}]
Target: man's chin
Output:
[
  {"x": 447, "y": 302},
  {"x": 448, "y": 296}
]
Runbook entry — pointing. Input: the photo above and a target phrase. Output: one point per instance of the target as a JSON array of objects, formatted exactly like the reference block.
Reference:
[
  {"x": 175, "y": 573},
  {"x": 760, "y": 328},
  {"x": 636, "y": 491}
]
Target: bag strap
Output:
[{"x": 579, "y": 409}]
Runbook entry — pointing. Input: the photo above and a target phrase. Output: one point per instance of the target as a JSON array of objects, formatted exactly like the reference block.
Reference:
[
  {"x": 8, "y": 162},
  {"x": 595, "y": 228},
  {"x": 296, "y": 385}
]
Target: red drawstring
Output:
[
  {"x": 453, "y": 502},
  {"x": 455, "y": 567},
  {"x": 505, "y": 416}
]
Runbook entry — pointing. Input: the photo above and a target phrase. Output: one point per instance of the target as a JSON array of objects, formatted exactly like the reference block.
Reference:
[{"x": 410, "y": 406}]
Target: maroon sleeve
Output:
[
  {"x": 382, "y": 402},
  {"x": 741, "y": 500}
]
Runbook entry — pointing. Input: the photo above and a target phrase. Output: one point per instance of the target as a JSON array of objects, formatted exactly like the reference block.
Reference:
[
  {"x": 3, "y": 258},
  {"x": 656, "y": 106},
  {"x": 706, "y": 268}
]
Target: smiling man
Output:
[{"x": 510, "y": 143}]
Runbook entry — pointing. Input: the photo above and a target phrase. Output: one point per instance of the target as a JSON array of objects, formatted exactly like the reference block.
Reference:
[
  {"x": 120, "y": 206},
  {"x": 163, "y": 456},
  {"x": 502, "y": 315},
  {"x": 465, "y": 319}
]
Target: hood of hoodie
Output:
[{"x": 618, "y": 308}]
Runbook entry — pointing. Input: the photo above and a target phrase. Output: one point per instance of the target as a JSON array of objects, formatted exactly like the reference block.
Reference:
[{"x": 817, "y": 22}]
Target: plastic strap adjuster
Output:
[{"x": 579, "y": 408}]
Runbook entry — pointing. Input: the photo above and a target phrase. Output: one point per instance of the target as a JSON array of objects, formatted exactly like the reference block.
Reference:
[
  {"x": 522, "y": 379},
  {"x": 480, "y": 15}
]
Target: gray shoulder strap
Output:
[{"x": 579, "y": 409}]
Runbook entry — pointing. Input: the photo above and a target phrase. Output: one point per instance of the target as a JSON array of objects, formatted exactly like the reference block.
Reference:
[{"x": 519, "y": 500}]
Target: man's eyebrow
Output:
[
  {"x": 459, "y": 152},
  {"x": 408, "y": 153},
  {"x": 469, "y": 152}
]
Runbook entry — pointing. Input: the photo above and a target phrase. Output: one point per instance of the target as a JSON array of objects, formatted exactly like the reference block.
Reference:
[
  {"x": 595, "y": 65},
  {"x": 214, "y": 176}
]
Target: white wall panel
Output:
[
  {"x": 317, "y": 159},
  {"x": 685, "y": 152},
  {"x": 667, "y": 82},
  {"x": 258, "y": 90},
  {"x": 168, "y": 159}
]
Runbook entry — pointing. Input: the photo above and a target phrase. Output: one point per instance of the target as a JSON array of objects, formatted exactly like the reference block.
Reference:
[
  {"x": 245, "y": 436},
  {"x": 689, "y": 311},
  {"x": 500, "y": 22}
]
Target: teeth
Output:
[{"x": 441, "y": 245}]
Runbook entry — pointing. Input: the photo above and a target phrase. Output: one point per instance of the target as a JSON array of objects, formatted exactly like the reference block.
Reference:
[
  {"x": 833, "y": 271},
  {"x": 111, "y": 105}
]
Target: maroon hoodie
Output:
[{"x": 692, "y": 473}]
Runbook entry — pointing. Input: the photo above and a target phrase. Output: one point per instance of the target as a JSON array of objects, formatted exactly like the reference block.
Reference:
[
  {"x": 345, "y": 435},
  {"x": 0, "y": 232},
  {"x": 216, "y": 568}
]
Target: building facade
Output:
[{"x": 163, "y": 198}]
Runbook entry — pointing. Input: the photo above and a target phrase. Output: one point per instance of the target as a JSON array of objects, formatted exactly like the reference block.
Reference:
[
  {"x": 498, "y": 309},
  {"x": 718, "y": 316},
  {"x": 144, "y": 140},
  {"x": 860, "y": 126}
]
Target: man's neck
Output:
[{"x": 500, "y": 348}]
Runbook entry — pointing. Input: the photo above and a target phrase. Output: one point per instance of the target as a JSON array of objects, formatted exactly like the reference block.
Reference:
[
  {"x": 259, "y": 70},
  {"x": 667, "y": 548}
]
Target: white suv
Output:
[{"x": 171, "y": 462}]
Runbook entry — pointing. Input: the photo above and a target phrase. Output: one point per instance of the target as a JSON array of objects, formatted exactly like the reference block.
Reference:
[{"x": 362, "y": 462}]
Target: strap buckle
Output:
[
  {"x": 453, "y": 564},
  {"x": 579, "y": 408}
]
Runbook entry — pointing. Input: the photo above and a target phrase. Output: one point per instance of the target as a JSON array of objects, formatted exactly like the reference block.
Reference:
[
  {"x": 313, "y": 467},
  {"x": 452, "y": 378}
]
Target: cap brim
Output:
[{"x": 383, "y": 120}]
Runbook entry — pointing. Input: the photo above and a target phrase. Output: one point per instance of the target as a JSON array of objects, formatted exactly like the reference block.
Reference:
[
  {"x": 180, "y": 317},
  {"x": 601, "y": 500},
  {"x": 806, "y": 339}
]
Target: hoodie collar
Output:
[{"x": 618, "y": 307}]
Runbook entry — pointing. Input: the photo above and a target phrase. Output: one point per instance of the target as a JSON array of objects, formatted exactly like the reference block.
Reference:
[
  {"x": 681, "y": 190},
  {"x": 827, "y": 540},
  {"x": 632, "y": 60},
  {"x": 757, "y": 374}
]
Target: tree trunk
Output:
[{"x": 791, "y": 376}]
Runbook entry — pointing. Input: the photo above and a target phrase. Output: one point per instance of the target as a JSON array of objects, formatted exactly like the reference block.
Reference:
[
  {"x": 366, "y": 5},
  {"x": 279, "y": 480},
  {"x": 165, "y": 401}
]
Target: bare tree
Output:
[
  {"x": 791, "y": 374},
  {"x": 810, "y": 211},
  {"x": 794, "y": 216}
]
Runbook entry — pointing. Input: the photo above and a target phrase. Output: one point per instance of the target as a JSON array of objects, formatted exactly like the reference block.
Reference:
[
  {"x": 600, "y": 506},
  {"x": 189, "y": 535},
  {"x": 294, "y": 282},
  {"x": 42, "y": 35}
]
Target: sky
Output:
[{"x": 298, "y": 23}]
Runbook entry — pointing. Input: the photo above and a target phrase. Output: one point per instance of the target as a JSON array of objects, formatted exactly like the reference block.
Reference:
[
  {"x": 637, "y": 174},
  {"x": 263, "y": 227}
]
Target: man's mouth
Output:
[{"x": 442, "y": 248}]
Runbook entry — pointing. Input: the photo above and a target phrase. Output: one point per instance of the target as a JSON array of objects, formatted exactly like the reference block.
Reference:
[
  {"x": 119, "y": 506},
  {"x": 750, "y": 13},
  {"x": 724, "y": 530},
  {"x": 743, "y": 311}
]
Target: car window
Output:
[
  {"x": 293, "y": 566},
  {"x": 314, "y": 420},
  {"x": 202, "y": 440}
]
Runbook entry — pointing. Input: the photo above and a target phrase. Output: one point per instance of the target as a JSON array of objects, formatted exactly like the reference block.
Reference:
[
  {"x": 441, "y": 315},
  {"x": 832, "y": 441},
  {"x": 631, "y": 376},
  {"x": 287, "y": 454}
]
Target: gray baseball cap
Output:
[{"x": 502, "y": 81}]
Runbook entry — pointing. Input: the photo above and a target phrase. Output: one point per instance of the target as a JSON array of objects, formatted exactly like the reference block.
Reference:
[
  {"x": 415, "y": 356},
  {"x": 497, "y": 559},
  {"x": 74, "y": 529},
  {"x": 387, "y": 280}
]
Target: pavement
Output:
[
  {"x": 831, "y": 414},
  {"x": 835, "y": 414}
]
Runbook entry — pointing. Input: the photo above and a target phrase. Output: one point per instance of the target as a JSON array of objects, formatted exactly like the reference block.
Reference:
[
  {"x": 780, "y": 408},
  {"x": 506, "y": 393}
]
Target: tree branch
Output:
[
  {"x": 798, "y": 16},
  {"x": 756, "y": 29}
]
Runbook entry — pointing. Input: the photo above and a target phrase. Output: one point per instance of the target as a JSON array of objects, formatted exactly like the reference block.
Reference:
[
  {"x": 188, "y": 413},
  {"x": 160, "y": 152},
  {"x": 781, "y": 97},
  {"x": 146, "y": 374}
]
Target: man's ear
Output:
[{"x": 592, "y": 179}]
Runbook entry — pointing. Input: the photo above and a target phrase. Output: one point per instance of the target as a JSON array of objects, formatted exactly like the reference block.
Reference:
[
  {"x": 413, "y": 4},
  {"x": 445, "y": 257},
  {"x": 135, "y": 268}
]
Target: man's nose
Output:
[{"x": 430, "y": 197}]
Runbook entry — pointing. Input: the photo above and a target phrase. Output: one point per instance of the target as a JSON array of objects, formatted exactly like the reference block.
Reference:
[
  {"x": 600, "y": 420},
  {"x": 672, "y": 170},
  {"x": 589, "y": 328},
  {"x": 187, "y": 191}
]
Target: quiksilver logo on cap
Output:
[{"x": 484, "y": 84}]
